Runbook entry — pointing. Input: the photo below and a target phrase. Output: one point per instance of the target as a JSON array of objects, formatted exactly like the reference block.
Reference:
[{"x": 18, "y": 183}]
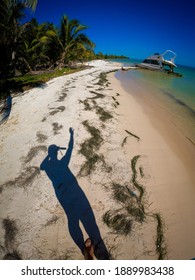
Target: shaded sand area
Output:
[{"x": 139, "y": 189}]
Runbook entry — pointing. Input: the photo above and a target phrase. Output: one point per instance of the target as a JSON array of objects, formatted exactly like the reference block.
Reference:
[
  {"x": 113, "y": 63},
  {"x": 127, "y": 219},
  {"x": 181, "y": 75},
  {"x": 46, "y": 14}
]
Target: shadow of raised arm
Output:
[{"x": 66, "y": 159}]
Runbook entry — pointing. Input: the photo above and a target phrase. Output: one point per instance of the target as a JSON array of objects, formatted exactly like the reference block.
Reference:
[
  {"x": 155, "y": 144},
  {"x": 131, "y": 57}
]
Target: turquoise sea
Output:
[{"x": 177, "y": 94}]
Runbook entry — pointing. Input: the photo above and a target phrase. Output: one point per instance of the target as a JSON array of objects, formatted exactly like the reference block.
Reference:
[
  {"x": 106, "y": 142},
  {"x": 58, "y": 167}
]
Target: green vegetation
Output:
[
  {"x": 33, "y": 46},
  {"x": 27, "y": 81},
  {"x": 74, "y": 44},
  {"x": 100, "y": 55},
  {"x": 29, "y": 47}
]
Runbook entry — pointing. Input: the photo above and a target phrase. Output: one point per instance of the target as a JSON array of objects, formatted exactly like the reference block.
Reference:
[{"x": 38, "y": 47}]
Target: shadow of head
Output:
[{"x": 53, "y": 151}]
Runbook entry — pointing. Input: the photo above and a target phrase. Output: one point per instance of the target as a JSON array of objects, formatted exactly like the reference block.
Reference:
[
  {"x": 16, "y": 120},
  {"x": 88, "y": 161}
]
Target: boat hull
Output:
[{"x": 150, "y": 66}]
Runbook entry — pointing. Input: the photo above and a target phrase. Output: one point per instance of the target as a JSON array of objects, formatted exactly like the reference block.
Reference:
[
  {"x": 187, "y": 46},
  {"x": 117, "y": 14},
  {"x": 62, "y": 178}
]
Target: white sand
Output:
[{"x": 41, "y": 222}]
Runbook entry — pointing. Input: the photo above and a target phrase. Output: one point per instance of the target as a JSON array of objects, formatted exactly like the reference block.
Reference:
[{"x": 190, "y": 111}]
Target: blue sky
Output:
[{"x": 135, "y": 28}]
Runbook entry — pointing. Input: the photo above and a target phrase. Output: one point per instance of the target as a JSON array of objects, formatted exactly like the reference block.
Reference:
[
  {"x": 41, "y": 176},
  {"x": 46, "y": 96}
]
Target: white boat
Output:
[{"x": 160, "y": 61}]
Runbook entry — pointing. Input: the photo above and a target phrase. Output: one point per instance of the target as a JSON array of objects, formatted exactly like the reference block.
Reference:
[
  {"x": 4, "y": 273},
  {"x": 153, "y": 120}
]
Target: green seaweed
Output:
[
  {"x": 119, "y": 222},
  {"x": 138, "y": 186},
  {"x": 160, "y": 240}
]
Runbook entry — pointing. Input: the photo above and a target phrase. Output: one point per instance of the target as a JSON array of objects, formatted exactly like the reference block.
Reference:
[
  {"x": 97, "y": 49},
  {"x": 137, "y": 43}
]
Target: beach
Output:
[{"x": 133, "y": 164}]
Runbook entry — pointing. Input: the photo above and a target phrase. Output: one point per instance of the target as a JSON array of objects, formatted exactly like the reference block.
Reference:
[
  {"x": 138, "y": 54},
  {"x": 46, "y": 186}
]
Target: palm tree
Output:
[
  {"x": 11, "y": 12},
  {"x": 72, "y": 41},
  {"x": 39, "y": 44},
  {"x": 6, "y": 4},
  {"x": 31, "y": 4}
]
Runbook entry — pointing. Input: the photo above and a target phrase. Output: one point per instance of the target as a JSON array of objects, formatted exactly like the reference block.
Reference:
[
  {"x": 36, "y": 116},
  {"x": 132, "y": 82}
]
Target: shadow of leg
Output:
[
  {"x": 89, "y": 223},
  {"x": 100, "y": 251},
  {"x": 75, "y": 232}
]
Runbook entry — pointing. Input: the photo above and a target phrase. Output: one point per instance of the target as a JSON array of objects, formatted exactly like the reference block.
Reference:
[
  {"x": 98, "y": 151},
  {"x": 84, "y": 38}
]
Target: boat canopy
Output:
[{"x": 172, "y": 58}]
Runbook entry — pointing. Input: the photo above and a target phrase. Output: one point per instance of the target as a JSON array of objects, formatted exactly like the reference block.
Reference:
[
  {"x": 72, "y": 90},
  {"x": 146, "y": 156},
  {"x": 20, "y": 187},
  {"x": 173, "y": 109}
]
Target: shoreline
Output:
[
  {"x": 171, "y": 158},
  {"x": 129, "y": 169}
]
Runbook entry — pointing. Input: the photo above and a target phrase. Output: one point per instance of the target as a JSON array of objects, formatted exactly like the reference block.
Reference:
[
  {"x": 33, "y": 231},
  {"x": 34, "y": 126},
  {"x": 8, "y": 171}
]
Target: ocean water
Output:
[{"x": 177, "y": 94}]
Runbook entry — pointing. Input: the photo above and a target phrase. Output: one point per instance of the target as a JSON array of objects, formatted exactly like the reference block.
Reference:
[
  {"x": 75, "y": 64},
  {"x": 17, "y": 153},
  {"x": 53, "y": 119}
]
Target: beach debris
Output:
[{"x": 130, "y": 133}]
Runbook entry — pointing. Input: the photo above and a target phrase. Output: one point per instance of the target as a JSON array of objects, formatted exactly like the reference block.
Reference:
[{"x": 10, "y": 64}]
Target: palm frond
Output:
[{"x": 31, "y": 4}]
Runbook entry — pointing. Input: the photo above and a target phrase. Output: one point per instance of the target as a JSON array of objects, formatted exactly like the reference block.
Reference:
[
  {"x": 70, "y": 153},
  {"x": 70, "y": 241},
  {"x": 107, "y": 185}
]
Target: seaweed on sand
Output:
[
  {"x": 56, "y": 110},
  {"x": 103, "y": 115},
  {"x": 10, "y": 234},
  {"x": 52, "y": 221},
  {"x": 56, "y": 128},
  {"x": 160, "y": 240},
  {"x": 96, "y": 95},
  {"x": 120, "y": 223},
  {"x": 86, "y": 104},
  {"x": 124, "y": 141},
  {"x": 35, "y": 150},
  {"x": 132, "y": 209},
  {"x": 12, "y": 256},
  {"x": 41, "y": 137},
  {"x": 130, "y": 202},
  {"x": 88, "y": 148},
  {"x": 137, "y": 185},
  {"x": 26, "y": 177},
  {"x": 102, "y": 79}
]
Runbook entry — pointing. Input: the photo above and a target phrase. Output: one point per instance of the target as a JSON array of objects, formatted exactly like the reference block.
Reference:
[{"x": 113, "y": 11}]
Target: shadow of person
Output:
[{"x": 73, "y": 199}]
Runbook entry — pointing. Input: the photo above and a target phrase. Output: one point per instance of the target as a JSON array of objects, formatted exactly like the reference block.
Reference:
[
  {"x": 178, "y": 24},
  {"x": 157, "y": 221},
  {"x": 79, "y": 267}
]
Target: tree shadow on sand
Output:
[{"x": 73, "y": 199}]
